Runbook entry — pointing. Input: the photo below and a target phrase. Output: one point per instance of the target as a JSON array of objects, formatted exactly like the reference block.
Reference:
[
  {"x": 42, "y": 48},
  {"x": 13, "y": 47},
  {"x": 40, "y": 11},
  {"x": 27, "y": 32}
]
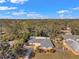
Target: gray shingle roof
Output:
[
  {"x": 71, "y": 40},
  {"x": 74, "y": 45},
  {"x": 73, "y": 37},
  {"x": 44, "y": 42}
]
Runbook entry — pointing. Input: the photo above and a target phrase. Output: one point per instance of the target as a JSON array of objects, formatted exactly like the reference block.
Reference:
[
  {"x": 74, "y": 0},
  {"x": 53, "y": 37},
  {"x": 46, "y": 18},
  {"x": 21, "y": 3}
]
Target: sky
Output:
[{"x": 39, "y": 9}]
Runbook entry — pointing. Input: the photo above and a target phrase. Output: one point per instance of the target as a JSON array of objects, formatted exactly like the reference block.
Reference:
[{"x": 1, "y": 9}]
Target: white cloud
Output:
[
  {"x": 19, "y": 13},
  {"x": 14, "y": 1},
  {"x": 68, "y": 13},
  {"x": 61, "y": 15},
  {"x": 2, "y": 1},
  {"x": 76, "y": 8},
  {"x": 18, "y": 1},
  {"x": 35, "y": 15},
  {"x": 7, "y": 8},
  {"x": 63, "y": 11},
  {"x": 29, "y": 15}
]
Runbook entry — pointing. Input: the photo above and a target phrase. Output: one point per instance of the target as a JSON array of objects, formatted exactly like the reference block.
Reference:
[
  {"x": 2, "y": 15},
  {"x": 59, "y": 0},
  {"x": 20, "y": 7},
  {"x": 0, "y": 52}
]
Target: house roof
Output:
[
  {"x": 72, "y": 41},
  {"x": 27, "y": 53},
  {"x": 44, "y": 42},
  {"x": 73, "y": 37},
  {"x": 33, "y": 37},
  {"x": 74, "y": 45}
]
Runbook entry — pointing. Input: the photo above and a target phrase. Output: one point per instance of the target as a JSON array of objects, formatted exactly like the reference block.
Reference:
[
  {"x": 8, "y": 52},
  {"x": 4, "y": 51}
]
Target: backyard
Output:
[{"x": 56, "y": 55}]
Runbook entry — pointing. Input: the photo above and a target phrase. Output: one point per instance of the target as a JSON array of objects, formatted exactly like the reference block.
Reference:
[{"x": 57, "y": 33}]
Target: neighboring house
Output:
[
  {"x": 41, "y": 42},
  {"x": 25, "y": 53},
  {"x": 29, "y": 54},
  {"x": 4, "y": 45},
  {"x": 9, "y": 54},
  {"x": 72, "y": 43},
  {"x": 6, "y": 53},
  {"x": 2, "y": 31},
  {"x": 12, "y": 43},
  {"x": 66, "y": 31}
]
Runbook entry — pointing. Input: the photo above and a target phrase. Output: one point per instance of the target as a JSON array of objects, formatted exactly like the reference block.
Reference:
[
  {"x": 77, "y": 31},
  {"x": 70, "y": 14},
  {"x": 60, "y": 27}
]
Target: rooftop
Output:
[
  {"x": 72, "y": 37},
  {"x": 44, "y": 41},
  {"x": 72, "y": 41},
  {"x": 33, "y": 37}
]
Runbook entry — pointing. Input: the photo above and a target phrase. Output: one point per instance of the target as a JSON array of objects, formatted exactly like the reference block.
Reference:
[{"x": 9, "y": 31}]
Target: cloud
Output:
[
  {"x": 7, "y": 8},
  {"x": 61, "y": 15},
  {"x": 14, "y": 1},
  {"x": 19, "y": 13},
  {"x": 35, "y": 15},
  {"x": 18, "y": 1},
  {"x": 70, "y": 10},
  {"x": 76, "y": 8},
  {"x": 63, "y": 11},
  {"x": 2, "y": 1},
  {"x": 30, "y": 15}
]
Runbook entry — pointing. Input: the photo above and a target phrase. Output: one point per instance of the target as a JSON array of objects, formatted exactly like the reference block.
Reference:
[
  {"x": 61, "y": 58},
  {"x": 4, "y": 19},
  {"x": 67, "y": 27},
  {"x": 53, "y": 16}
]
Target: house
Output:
[
  {"x": 71, "y": 42},
  {"x": 12, "y": 43},
  {"x": 25, "y": 53},
  {"x": 43, "y": 43},
  {"x": 66, "y": 31},
  {"x": 29, "y": 54},
  {"x": 4, "y": 45},
  {"x": 7, "y": 52}
]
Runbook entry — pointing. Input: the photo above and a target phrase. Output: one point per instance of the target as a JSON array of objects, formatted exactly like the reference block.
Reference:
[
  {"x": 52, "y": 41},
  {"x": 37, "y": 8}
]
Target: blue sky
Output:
[{"x": 24, "y": 9}]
